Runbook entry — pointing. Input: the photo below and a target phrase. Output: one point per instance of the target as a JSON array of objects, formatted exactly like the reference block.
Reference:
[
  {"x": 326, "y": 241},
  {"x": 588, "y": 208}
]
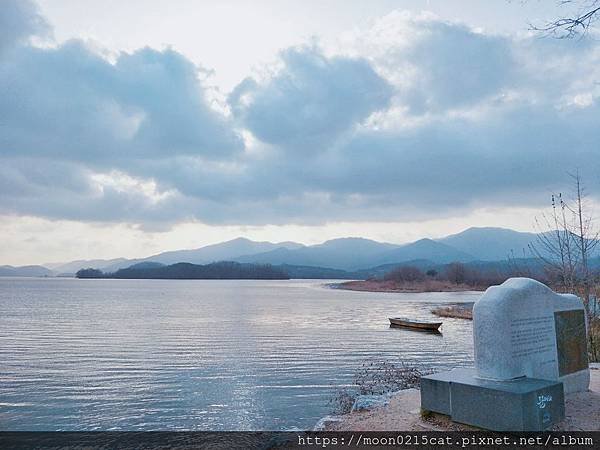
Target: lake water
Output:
[{"x": 199, "y": 355}]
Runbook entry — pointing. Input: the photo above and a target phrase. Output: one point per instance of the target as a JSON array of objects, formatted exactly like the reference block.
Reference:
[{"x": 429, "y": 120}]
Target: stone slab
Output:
[
  {"x": 522, "y": 404},
  {"x": 571, "y": 341},
  {"x": 435, "y": 391}
]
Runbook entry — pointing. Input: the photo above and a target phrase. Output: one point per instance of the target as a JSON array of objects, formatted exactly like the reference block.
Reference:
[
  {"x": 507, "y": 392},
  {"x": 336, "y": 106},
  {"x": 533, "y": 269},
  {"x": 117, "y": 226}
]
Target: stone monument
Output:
[
  {"x": 524, "y": 329},
  {"x": 530, "y": 349}
]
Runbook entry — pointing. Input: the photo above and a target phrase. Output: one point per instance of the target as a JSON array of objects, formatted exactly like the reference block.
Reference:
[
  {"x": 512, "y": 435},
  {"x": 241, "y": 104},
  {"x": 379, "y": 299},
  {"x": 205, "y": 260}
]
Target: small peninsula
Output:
[{"x": 374, "y": 285}]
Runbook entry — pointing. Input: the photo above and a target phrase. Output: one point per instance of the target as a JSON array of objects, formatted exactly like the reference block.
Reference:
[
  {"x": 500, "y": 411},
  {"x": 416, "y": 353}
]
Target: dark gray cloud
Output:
[
  {"x": 433, "y": 126},
  {"x": 70, "y": 103},
  {"x": 311, "y": 100}
]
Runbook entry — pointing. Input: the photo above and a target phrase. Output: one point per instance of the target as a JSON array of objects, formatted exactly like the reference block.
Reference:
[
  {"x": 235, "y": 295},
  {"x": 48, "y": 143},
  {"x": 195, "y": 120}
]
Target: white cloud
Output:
[
  {"x": 417, "y": 118},
  {"x": 310, "y": 100}
]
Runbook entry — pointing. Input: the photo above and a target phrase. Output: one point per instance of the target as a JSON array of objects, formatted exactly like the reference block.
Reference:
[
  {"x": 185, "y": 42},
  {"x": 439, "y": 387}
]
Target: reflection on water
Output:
[{"x": 199, "y": 355}]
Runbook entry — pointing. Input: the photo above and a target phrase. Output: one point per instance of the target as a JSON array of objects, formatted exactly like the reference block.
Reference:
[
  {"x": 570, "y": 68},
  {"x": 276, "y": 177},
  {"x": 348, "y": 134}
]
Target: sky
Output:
[{"x": 130, "y": 128}]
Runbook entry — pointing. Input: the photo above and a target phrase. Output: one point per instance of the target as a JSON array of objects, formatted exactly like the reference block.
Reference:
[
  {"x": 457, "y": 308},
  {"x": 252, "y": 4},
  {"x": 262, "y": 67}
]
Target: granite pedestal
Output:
[{"x": 523, "y": 404}]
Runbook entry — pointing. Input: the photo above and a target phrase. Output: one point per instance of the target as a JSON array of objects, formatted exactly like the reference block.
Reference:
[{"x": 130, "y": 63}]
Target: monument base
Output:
[{"x": 523, "y": 404}]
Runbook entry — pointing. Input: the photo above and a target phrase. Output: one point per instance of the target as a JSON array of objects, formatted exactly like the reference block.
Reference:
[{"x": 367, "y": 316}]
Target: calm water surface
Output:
[{"x": 199, "y": 355}]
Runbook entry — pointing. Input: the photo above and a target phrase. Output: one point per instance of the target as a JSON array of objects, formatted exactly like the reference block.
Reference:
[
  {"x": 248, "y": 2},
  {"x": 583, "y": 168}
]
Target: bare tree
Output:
[
  {"x": 565, "y": 244},
  {"x": 578, "y": 23},
  {"x": 456, "y": 272},
  {"x": 555, "y": 245},
  {"x": 587, "y": 239},
  {"x": 518, "y": 266}
]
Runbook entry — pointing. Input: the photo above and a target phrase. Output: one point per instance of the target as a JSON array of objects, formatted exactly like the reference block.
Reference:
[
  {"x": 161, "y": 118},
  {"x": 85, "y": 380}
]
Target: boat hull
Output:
[{"x": 429, "y": 326}]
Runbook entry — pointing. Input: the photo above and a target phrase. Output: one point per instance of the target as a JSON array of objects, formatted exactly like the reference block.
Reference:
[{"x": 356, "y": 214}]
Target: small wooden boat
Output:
[{"x": 402, "y": 322}]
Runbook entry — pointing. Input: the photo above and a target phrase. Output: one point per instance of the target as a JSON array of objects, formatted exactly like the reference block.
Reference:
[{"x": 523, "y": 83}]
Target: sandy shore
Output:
[
  {"x": 392, "y": 286},
  {"x": 403, "y": 413}
]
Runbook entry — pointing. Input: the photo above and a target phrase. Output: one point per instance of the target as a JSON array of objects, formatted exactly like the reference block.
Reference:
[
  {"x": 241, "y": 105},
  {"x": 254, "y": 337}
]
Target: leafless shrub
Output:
[
  {"x": 377, "y": 377},
  {"x": 342, "y": 401}
]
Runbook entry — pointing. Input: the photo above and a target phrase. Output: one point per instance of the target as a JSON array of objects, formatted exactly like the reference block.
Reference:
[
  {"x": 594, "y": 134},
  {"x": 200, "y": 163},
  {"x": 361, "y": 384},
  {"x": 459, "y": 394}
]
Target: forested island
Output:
[{"x": 187, "y": 271}]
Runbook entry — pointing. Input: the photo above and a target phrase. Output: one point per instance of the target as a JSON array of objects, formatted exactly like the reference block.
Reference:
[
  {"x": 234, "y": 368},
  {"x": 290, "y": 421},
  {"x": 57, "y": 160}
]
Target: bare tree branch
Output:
[
  {"x": 576, "y": 25},
  {"x": 565, "y": 244}
]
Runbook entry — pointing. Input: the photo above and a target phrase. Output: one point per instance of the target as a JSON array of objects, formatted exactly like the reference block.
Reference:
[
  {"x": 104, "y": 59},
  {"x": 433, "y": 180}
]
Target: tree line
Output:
[
  {"x": 187, "y": 271},
  {"x": 455, "y": 273}
]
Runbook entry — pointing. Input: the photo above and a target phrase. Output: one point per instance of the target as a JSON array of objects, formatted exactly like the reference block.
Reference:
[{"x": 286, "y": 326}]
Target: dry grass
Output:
[
  {"x": 458, "y": 311},
  {"x": 417, "y": 286}
]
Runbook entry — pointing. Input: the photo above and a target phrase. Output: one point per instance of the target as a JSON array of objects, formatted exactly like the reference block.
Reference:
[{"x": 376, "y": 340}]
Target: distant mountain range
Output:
[
  {"x": 25, "y": 271},
  {"x": 336, "y": 256},
  {"x": 225, "y": 251},
  {"x": 357, "y": 253},
  {"x": 74, "y": 266}
]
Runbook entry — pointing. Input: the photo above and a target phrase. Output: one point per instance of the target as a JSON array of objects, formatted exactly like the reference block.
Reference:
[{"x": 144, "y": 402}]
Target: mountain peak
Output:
[
  {"x": 423, "y": 241},
  {"x": 425, "y": 249},
  {"x": 354, "y": 244},
  {"x": 349, "y": 239},
  {"x": 237, "y": 239},
  {"x": 490, "y": 243},
  {"x": 483, "y": 230}
]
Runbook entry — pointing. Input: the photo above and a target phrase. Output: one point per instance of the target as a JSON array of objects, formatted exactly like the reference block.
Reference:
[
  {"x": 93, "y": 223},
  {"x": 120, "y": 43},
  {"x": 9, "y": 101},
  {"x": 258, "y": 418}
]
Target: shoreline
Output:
[
  {"x": 403, "y": 413},
  {"x": 394, "y": 287},
  {"x": 463, "y": 310}
]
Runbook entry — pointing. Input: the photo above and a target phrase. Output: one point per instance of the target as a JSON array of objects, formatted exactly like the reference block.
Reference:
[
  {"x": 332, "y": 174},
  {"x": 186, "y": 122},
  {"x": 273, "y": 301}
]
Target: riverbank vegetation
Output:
[
  {"x": 453, "y": 277},
  {"x": 377, "y": 378},
  {"x": 187, "y": 271}
]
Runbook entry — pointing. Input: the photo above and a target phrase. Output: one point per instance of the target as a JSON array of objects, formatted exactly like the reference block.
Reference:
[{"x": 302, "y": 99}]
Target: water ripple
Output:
[{"x": 199, "y": 355}]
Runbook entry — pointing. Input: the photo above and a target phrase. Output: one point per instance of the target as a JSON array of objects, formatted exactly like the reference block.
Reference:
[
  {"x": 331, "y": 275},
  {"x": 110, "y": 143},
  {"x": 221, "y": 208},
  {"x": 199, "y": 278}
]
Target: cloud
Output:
[
  {"x": 417, "y": 118},
  {"x": 438, "y": 65},
  {"x": 148, "y": 104},
  {"x": 457, "y": 67},
  {"x": 311, "y": 100},
  {"x": 20, "y": 19}
]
